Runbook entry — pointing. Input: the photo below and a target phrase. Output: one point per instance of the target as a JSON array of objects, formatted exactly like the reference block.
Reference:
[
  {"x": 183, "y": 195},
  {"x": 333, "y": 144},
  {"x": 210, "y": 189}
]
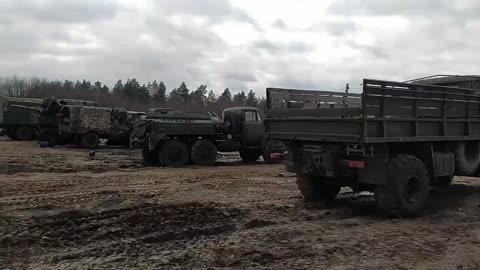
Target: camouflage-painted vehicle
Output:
[
  {"x": 48, "y": 120},
  {"x": 86, "y": 125},
  {"x": 177, "y": 139},
  {"x": 19, "y": 117}
]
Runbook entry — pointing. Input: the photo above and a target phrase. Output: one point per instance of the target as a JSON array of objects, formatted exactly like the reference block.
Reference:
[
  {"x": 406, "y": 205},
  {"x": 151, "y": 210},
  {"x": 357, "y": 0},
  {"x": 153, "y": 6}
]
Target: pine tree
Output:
[
  {"x": 211, "y": 98},
  {"x": 118, "y": 88},
  {"x": 251, "y": 100},
  {"x": 239, "y": 98},
  {"x": 225, "y": 97},
  {"x": 180, "y": 94}
]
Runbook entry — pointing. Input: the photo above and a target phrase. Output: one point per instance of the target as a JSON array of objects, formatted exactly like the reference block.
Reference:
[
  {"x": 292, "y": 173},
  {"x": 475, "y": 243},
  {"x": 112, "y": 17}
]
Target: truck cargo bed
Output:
[{"x": 384, "y": 112}]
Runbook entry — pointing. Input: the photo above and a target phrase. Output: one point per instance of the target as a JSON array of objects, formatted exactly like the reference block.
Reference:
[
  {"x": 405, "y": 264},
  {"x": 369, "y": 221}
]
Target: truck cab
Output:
[{"x": 245, "y": 125}]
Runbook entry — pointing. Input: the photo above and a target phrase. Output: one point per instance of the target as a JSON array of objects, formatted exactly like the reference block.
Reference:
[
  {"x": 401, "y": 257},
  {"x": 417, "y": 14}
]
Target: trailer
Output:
[{"x": 394, "y": 139}]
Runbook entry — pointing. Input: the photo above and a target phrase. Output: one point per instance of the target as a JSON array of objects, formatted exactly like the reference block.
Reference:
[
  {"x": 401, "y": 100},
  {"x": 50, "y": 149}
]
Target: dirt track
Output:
[{"x": 60, "y": 208}]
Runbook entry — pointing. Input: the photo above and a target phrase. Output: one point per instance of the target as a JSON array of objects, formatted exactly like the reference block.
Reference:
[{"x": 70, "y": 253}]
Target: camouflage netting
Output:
[{"x": 101, "y": 120}]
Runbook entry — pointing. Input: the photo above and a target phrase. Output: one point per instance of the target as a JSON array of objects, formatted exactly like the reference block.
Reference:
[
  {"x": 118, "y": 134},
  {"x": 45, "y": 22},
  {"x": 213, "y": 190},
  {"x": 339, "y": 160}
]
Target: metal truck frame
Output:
[{"x": 395, "y": 139}]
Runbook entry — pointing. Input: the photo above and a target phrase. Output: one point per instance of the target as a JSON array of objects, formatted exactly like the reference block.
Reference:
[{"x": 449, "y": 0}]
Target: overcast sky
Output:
[{"x": 240, "y": 44}]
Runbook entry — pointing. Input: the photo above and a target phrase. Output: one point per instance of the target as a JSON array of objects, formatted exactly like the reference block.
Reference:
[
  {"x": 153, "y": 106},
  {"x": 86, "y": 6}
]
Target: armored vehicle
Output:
[
  {"x": 177, "y": 139},
  {"x": 394, "y": 139},
  {"x": 19, "y": 117},
  {"x": 48, "y": 120},
  {"x": 86, "y": 125}
]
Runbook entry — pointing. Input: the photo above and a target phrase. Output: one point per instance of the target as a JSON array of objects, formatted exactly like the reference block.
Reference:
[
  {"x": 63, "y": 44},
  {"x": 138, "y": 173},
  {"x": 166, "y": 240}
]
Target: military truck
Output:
[
  {"x": 177, "y": 139},
  {"x": 394, "y": 139},
  {"x": 19, "y": 117},
  {"x": 86, "y": 125},
  {"x": 48, "y": 120}
]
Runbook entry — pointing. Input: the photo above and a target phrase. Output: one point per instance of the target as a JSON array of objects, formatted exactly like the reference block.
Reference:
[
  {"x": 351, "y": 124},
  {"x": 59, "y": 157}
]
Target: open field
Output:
[{"x": 60, "y": 208}]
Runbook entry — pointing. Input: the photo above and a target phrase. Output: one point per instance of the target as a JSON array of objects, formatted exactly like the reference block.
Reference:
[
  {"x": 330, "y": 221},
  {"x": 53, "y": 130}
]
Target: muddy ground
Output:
[{"x": 61, "y": 208}]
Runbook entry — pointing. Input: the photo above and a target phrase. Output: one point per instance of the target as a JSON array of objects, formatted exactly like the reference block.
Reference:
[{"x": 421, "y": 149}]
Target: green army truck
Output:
[
  {"x": 19, "y": 117},
  {"x": 394, "y": 139},
  {"x": 86, "y": 125},
  {"x": 178, "y": 138},
  {"x": 48, "y": 120}
]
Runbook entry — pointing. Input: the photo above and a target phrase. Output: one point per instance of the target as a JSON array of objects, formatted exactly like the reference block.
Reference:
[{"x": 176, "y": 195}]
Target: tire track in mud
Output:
[{"x": 81, "y": 233}]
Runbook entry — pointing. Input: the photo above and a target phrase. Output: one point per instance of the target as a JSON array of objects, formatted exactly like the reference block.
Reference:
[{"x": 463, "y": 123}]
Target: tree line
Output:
[{"x": 131, "y": 94}]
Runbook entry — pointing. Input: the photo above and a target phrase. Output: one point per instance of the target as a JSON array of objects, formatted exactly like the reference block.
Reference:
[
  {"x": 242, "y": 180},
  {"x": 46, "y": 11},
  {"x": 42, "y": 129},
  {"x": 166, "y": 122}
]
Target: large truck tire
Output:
[
  {"x": 314, "y": 189},
  {"x": 11, "y": 133},
  {"x": 149, "y": 157},
  {"x": 204, "y": 153},
  {"x": 51, "y": 136},
  {"x": 267, "y": 150},
  {"x": 90, "y": 140},
  {"x": 174, "y": 153},
  {"x": 24, "y": 133},
  {"x": 407, "y": 187},
  {"x": 467, "y": 158},
  {"x": 444, "y": 181},
  {"x": 250, "y": 155}
]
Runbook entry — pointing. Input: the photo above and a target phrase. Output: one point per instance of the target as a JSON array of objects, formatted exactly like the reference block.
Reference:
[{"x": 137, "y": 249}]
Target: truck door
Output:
[{"x": 253, "y": 130}]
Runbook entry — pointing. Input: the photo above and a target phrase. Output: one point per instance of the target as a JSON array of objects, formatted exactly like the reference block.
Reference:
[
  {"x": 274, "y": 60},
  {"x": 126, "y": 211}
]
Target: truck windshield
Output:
[{"x": 251, "y": 116}]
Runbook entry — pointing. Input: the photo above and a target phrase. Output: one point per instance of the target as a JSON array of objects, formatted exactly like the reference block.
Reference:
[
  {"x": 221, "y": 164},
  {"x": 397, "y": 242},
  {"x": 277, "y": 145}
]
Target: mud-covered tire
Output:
[
  {"x": 149, "y": 157},
  {"x": 204, "y": 153},
  {"x": 250, "y": 155},
  {"x": 266, "y": 154},
  {"x": 406, "y": 190},
  {"x": 313, "y": 189},
  {"x": 90, "y": 140},
  {"x": 444, "y": 181},
  {"x": 11, "y": 133},
  {"x": 24, "y": 133},
  {"x": 467, "y": 158},
  {"x": 174, "y": 153},
  {"x": 49, "y": 135}
]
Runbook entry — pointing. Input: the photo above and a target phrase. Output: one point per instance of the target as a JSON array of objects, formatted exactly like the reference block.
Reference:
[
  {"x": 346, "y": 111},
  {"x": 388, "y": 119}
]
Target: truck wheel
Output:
[
  {"x": 11, "y": 134},
  {"x": 467, "y": 158},
  {"x": 204, "y": 153},
  {"x": 90, "y": 140},
  {"x": 407, "y": 187},
  {"x": 50, "y": 136},
  {"x": 149, "y": 157},
  {"x": 250, "y": 155},
  {"x": 313, "y": 189},
  {"x": 174, "y": 153},
  {"x": 444, "y": 181},
  {"x": 24, "y": 133}
]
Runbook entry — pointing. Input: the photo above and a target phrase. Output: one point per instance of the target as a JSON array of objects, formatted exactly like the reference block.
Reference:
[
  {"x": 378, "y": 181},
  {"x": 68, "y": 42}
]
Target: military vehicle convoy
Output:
[
  {"x": 178, "y": 138},
  {"x": 19, "y": 117},
  {"x": 394, "y": 139}
]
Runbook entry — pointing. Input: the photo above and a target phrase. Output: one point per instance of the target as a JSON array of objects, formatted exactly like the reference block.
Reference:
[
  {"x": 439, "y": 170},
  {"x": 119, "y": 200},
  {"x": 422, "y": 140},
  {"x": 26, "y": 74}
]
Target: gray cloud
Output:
[
  {"x": 335, "y": 28},
  {"x": 280, "y": 24},
  {"x": 58, "y": 10},
  {"x": 425, "y": 8},
  {"x": 213, "y": 10},
  {"x": 293, "y": 47}
]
